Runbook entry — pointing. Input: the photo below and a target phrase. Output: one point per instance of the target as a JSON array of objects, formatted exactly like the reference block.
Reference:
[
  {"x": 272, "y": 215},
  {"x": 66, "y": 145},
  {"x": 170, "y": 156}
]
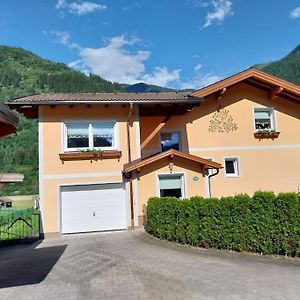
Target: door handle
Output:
[{"x": 94, "y": 214}]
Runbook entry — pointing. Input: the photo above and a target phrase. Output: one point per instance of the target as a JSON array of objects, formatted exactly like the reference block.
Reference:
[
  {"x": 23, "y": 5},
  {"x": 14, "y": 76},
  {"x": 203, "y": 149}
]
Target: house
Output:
[
  {"x": 8, "y": 121},
  {"x": 8, "y": 125},
  {"x": 103, "y": 155}
]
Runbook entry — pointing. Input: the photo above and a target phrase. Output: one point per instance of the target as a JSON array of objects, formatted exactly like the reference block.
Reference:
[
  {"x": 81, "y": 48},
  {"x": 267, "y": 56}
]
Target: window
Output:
[
  {"x": 232, "y": 167},
  {"x": 169, "y": 141},
  {"x": 103, "y": 135},
  {"x": 264, "y": 119},
  {"x": 78, "y": 136},
  {"x": 171, "y": 185},
  {"x": 90, "y": 136}
]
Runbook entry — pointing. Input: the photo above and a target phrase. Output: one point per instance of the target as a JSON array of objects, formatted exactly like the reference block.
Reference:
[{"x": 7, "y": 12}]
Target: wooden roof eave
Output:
[
  {"x": 7, "y": 130},
  {"x": 7, "y": 116},
  {"x": 253, "y": 75},
  {"x": 172, "y": 153}
]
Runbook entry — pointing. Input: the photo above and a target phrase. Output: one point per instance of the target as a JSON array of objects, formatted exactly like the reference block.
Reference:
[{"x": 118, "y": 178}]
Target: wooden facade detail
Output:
[
  {"x": 274, "y": 93},
  {"x": 154, "y": 132},
  {"x": 267, "y": 135},
  {"x": 99, "y": 155},
  {"x": 276, "y": 86},
  {"x": 170, "y": 154}
]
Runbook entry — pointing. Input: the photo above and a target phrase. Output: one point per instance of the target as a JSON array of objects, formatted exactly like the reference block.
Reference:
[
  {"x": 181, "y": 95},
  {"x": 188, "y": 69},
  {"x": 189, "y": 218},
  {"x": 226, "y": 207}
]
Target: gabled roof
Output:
[
  {"x": 140, "y": 163},
  {"x": 256, "y": 78},
  {"x": 106, "y": 98},
  {"x": 8, "y": 121}
]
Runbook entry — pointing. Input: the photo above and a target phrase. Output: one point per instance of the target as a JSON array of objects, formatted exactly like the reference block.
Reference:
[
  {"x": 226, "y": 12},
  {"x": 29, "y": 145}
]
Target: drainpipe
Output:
[
  {"x": 209, "y": 177},
  {"x": 129, "y": 160}
]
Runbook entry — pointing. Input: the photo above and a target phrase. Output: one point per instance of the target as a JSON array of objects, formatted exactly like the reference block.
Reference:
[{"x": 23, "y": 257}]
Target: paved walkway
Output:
[{"x": 132, "y": 265}]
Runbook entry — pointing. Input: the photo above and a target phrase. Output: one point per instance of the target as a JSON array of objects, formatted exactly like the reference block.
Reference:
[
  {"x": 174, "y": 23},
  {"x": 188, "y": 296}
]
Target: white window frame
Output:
[
  {"x": 183, "y": 183},
  {"x": 237, "y": 172},
  {"x": 168, "y": 131},
  {"x": 90, "y": 133},
  {"x": 272, "y": 116}
]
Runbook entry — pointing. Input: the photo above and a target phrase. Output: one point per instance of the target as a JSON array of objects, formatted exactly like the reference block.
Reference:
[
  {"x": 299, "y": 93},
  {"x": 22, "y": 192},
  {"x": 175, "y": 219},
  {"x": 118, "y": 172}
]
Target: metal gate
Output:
[{"x": 19, "y": 224}]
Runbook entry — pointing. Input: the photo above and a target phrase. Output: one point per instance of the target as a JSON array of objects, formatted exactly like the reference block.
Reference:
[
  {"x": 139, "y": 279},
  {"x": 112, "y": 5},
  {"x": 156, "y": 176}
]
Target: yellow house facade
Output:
[{"x": 102, "y": 156}]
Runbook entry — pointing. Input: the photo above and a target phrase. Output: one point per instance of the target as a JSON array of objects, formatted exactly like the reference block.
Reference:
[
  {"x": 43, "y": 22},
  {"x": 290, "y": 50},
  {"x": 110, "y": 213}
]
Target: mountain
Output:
[
  {"x": 144, "y": 87},
  {"x": 287, "y": 68},
  {"x": 24, "y": 73}
]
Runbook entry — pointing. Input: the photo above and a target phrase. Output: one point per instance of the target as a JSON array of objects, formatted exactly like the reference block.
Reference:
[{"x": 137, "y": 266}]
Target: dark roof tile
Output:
[{"x": 73, "y": 98}]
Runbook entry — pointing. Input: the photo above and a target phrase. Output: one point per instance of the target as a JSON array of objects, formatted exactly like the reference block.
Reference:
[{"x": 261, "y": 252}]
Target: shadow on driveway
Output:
[{"x": 26, "y": 264}]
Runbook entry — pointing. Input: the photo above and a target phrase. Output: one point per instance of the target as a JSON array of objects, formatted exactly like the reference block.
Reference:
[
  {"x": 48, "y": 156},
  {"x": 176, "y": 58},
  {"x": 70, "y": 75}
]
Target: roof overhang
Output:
[
  {"x": 161, "y": 103},
  {"x": 8, "y": 121},
  {"x": 137, "y": 165},
  {"x": 274, "y": 85}
]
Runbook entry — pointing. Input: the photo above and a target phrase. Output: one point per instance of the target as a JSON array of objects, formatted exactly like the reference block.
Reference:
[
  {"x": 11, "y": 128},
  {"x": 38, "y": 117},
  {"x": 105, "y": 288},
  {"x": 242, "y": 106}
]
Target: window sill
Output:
[
  {"x": 99, "y": 155},
  {"x": 232, "y": 176},
  {"x": 266, "y": 135}
]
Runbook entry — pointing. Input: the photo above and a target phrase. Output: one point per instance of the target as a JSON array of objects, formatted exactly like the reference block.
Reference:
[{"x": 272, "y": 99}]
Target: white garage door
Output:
[{"x": 88, "y": 208}]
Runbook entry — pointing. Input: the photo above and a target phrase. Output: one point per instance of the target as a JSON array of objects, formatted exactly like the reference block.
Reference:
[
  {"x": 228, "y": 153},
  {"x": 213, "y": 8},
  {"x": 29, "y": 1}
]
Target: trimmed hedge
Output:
[{"x": 264, "y": 223}]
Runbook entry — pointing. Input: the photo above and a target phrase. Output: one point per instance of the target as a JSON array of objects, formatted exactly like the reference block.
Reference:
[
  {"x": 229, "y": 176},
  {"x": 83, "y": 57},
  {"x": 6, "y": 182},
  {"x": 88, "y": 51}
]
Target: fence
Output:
[{"x": 19, "y": 224}]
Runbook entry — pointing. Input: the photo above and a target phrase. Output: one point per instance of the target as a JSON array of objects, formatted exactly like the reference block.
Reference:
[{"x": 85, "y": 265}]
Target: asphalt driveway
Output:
[{"x": 132, "y": 265}]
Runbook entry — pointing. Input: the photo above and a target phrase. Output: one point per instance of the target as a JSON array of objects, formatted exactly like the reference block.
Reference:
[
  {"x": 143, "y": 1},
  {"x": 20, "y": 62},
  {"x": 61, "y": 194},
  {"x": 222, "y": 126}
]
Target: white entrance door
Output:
[{"x": 87, "y": 208}]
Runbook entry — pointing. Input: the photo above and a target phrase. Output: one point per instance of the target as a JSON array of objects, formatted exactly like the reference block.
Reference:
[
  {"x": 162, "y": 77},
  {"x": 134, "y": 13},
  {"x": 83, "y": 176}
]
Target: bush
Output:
[{"x": 264, "y": 223}]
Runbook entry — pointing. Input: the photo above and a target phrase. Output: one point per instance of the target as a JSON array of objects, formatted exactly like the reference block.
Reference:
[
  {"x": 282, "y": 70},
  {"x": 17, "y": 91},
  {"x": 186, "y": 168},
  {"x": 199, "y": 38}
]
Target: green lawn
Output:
[{"x": 23, "y": 204}]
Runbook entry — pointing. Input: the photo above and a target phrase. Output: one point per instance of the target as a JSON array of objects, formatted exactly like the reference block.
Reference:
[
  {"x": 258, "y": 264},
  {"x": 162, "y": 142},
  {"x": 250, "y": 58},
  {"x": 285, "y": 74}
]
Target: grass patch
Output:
[
  {"x": 23, "y": 204},
  {"x": 18, "y": 224}
]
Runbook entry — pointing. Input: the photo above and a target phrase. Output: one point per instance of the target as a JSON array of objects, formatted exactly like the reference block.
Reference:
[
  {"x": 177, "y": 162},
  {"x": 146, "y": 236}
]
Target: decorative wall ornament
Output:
[{"x": 222, "y": 121}]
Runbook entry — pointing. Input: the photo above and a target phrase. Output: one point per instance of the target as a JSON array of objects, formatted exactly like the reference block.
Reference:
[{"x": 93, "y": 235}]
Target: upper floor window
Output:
[
  {"x": 169, "y": 140},
  {"x": 80, "y": 136},
  {"x": 264, "y": 119},
  {"x": 77, "y": 136}
]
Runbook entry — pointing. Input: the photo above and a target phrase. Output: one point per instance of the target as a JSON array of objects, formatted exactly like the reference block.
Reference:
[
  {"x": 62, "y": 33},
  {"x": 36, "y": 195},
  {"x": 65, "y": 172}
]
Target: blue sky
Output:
[{"x": 174, "y": 43}]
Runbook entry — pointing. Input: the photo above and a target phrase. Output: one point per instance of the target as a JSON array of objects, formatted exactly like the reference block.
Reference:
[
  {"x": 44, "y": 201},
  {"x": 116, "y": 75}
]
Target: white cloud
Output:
[
  {"x": 117, "y": 62},
  {"x": 80, "y": 8},
  {"x": 295, "y": 13},
  {"x": 197, "y": 68},
  {"x": 63, "y": 38},
  {"x": 199, "y": 3},
  {"x": 221, "y": 10},
  {"x": 133, "y": 4},
  {"x": 113, "y": 62},
  {"x": 200, "y": 80},
  {"x": 161, "y": 76}
]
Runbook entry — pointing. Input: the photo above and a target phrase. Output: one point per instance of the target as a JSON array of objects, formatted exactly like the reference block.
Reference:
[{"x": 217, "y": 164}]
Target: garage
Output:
[{"x": 88, "y": 208}]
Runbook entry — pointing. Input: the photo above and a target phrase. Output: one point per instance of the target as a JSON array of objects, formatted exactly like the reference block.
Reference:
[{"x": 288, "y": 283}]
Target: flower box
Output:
[
  {"x": 266, "y": 135},
  {"x": 99, "y": 155}
]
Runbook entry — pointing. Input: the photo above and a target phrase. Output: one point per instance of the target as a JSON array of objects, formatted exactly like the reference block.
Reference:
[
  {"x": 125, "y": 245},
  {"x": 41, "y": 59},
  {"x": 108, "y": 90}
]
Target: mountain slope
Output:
[
  {"x": 144, "y": 87},
  {"x": 22, "y": 73},
  {"x": 287, "y": 68}
]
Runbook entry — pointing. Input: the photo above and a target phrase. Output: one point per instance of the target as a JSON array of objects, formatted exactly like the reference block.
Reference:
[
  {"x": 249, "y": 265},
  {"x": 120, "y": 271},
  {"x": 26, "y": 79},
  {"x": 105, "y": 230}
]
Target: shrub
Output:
[{"x": 264, "y": 223}]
